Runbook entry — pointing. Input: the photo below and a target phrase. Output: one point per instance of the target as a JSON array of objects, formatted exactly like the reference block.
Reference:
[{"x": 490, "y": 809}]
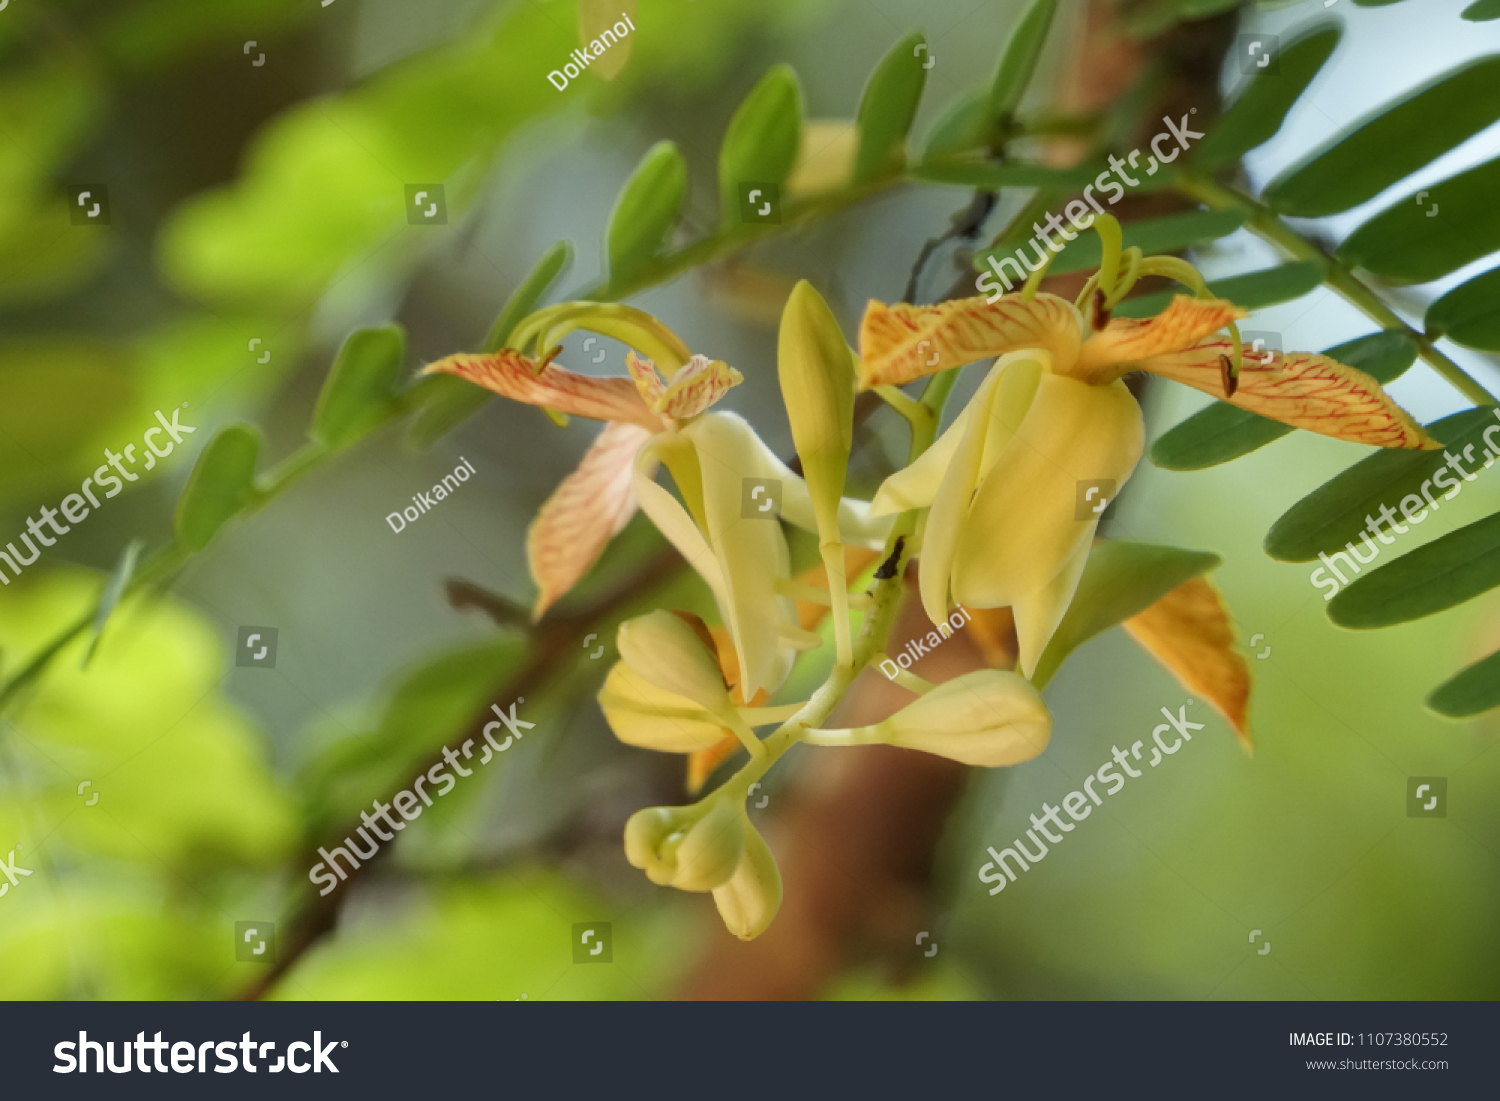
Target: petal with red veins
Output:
[
  {"x": 513, "y": 375},
  {"x": 697, "y": 384},
  {"x": 1302, "y": 389},
  {"x": 898, "y": 343},
  {"x": 1127, "y": 340},
  {"x": 587, "y": 510}
]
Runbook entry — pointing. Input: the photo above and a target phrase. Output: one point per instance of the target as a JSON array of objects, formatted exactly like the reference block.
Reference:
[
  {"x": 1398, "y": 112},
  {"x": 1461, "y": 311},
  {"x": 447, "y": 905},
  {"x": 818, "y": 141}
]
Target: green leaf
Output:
[
  {"x": 109, "y": 598},
  {"x": 1481, "y": 11},
  {"x": 1470, "y": 692},
  {"x": 1254, "y": 291},
  {"x": 994, "y": 177},
  {"x": 761, "y": 142},
  {"x": 1157, "y": 235},
  {"x": 888, "y": 106},
  {"x": 1018, "y": 61},
  {"x": 1406, "y": 242},
  {"x": 1121, "y": 579},
  {"x": 360, "y": 392},
  {"x": 448, "y": 401},
  {"x": 1267, "y": 97},
  {"x": 1440, "y": 575},
  {"x": 958, "y": 129},
  {"x": 1469, "y": 314},
  {"x": 646, "y": 210},
  {"x": 1222, "y": 432},
  {"x": 1392, "y": 144},
  {"x": 1335, "y": 513},
  {"x": 221, "y": 484}
]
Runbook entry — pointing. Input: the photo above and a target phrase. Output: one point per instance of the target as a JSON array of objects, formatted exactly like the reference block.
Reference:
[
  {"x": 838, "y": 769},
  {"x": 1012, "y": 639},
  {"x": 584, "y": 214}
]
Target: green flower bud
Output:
[
  {"x": 691, "y": 848},
  {"x": 751, "y": 897},
  {"x": 816, "y": 369}
]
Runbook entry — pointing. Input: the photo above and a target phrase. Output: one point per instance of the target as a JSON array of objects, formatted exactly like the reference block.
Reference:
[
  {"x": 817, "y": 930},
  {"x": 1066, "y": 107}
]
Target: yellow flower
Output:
[
  {"x": 1011, "y": 518},
  {"x": 653, "y": 420},
  {"x": 693, "y": 848},
  {"x": 749, "y": 899}
]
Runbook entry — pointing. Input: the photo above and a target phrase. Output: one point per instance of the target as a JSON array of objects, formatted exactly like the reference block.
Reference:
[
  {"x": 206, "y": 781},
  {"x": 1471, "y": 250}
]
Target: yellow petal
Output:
[
  {"x": 585, "y": 512},
  {"x": 1127, "y": 341},
  {"x": 1302, "y": 389},
  {"x": 749, "y": 900},
  {"x": 751, "y": 552},
  {"x": 690, "y": 848},
  {"x": 1189, "y": 632},
  {"x": 899, "y": 343},
  {"x": 666, "y": 651},
  {"x": 643, "y": 715},
  {"x": 512, "y": 375},
  {"x": 917, "y": 485},
  {"x": 673, "y": 521},
  {"x": 999, "y": 409},
  {"x": 1024, "y": 526}
]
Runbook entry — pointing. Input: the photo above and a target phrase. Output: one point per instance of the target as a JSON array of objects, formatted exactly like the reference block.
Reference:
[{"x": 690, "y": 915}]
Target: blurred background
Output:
[{"x": 257, "y": 157}]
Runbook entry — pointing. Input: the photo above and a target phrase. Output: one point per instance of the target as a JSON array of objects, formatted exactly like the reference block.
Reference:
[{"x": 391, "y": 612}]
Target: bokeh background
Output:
[{"x": 263, "y": 202}]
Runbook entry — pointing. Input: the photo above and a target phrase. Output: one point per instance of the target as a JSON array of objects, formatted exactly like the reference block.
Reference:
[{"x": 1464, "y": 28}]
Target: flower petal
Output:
[
  {"x": 898, "y": 343},
  {"x": 1302, "y": 389},
  {"x": 585, "y": 512},
  {"x": 512, "y": 375},
  {"x": 1127, "y": 340},
  {"x": 643, "y": 715},
  {"x": 1023, "y": 529}
]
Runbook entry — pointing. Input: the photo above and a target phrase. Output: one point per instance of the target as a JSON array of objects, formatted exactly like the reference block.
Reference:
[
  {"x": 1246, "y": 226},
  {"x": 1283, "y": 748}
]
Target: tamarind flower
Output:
[
  {"x": 651, "y": 419},
  {"x": 1009, "y": 523}
]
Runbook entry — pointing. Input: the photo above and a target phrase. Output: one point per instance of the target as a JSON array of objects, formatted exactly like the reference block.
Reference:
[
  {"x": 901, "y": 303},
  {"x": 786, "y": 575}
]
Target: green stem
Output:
[{"x": 1268, "y": 225}]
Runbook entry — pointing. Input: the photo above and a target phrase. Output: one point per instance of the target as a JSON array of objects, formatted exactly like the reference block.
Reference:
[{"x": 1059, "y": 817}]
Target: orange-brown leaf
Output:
[{"x": 1188, "y": 631}]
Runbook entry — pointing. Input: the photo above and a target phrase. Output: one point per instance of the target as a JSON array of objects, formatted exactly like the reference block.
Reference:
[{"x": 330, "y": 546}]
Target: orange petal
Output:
[
  {"x": 585, "y": 512},
  {"x": 1188, "y": 631},
  {"x": 697, "y": 384},
  {"x": 898, "y": 343},
  {"x": 512, "y": 375},
  {"x": 1302, "y": 389},
  {"x": 1127, "y": 340},
  {"x": 994, "y": 631},
  {"x": 702, "y": 762}
]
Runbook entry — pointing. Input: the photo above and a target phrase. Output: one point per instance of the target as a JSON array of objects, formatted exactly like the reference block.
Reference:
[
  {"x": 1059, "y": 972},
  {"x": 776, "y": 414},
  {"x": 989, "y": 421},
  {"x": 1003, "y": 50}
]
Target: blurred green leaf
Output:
[
  {"x": 1171, "y": 233},
  {"x": 114, "y": 588},
  {"x": 1335, "y": 513},
  {"x": 760, "y": 144},
  {"x": 1481, "y": 11},
  {"x": 1471, "y": 691},
  {"x": 1121, "y": 579},
  {"x": 994, "y": 177},
  {"x": 1436, "y": 576},
  {"x": 959, "y": 128},
  {"x": 1254, "y": 291},
  {"x": 1262, "y": 106},
  {"x": 1222, "y": 431},
  {"x": 646, "y": 210},
  {"x": 1469, "y": 314},
  {"x": 1018, "y": 61},
  {"x": 1401, "y": 138},
  {"x": 888, "y": 106},
  {"x": 1407, "y": 242},
  {"x": 360, "y": 391},
  {"x": 222, "y": 483}
]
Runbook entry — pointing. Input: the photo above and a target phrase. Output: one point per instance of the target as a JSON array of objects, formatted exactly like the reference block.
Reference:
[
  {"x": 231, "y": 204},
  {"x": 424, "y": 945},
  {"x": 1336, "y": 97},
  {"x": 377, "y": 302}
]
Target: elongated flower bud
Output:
[
  {"x": 816, "y": 369},
  {"x": 751, "y": 897},
  {"x": 988, "y": 718},
  {"x": 693, "y": 848},
  {"x": 666, "y": 651}
]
